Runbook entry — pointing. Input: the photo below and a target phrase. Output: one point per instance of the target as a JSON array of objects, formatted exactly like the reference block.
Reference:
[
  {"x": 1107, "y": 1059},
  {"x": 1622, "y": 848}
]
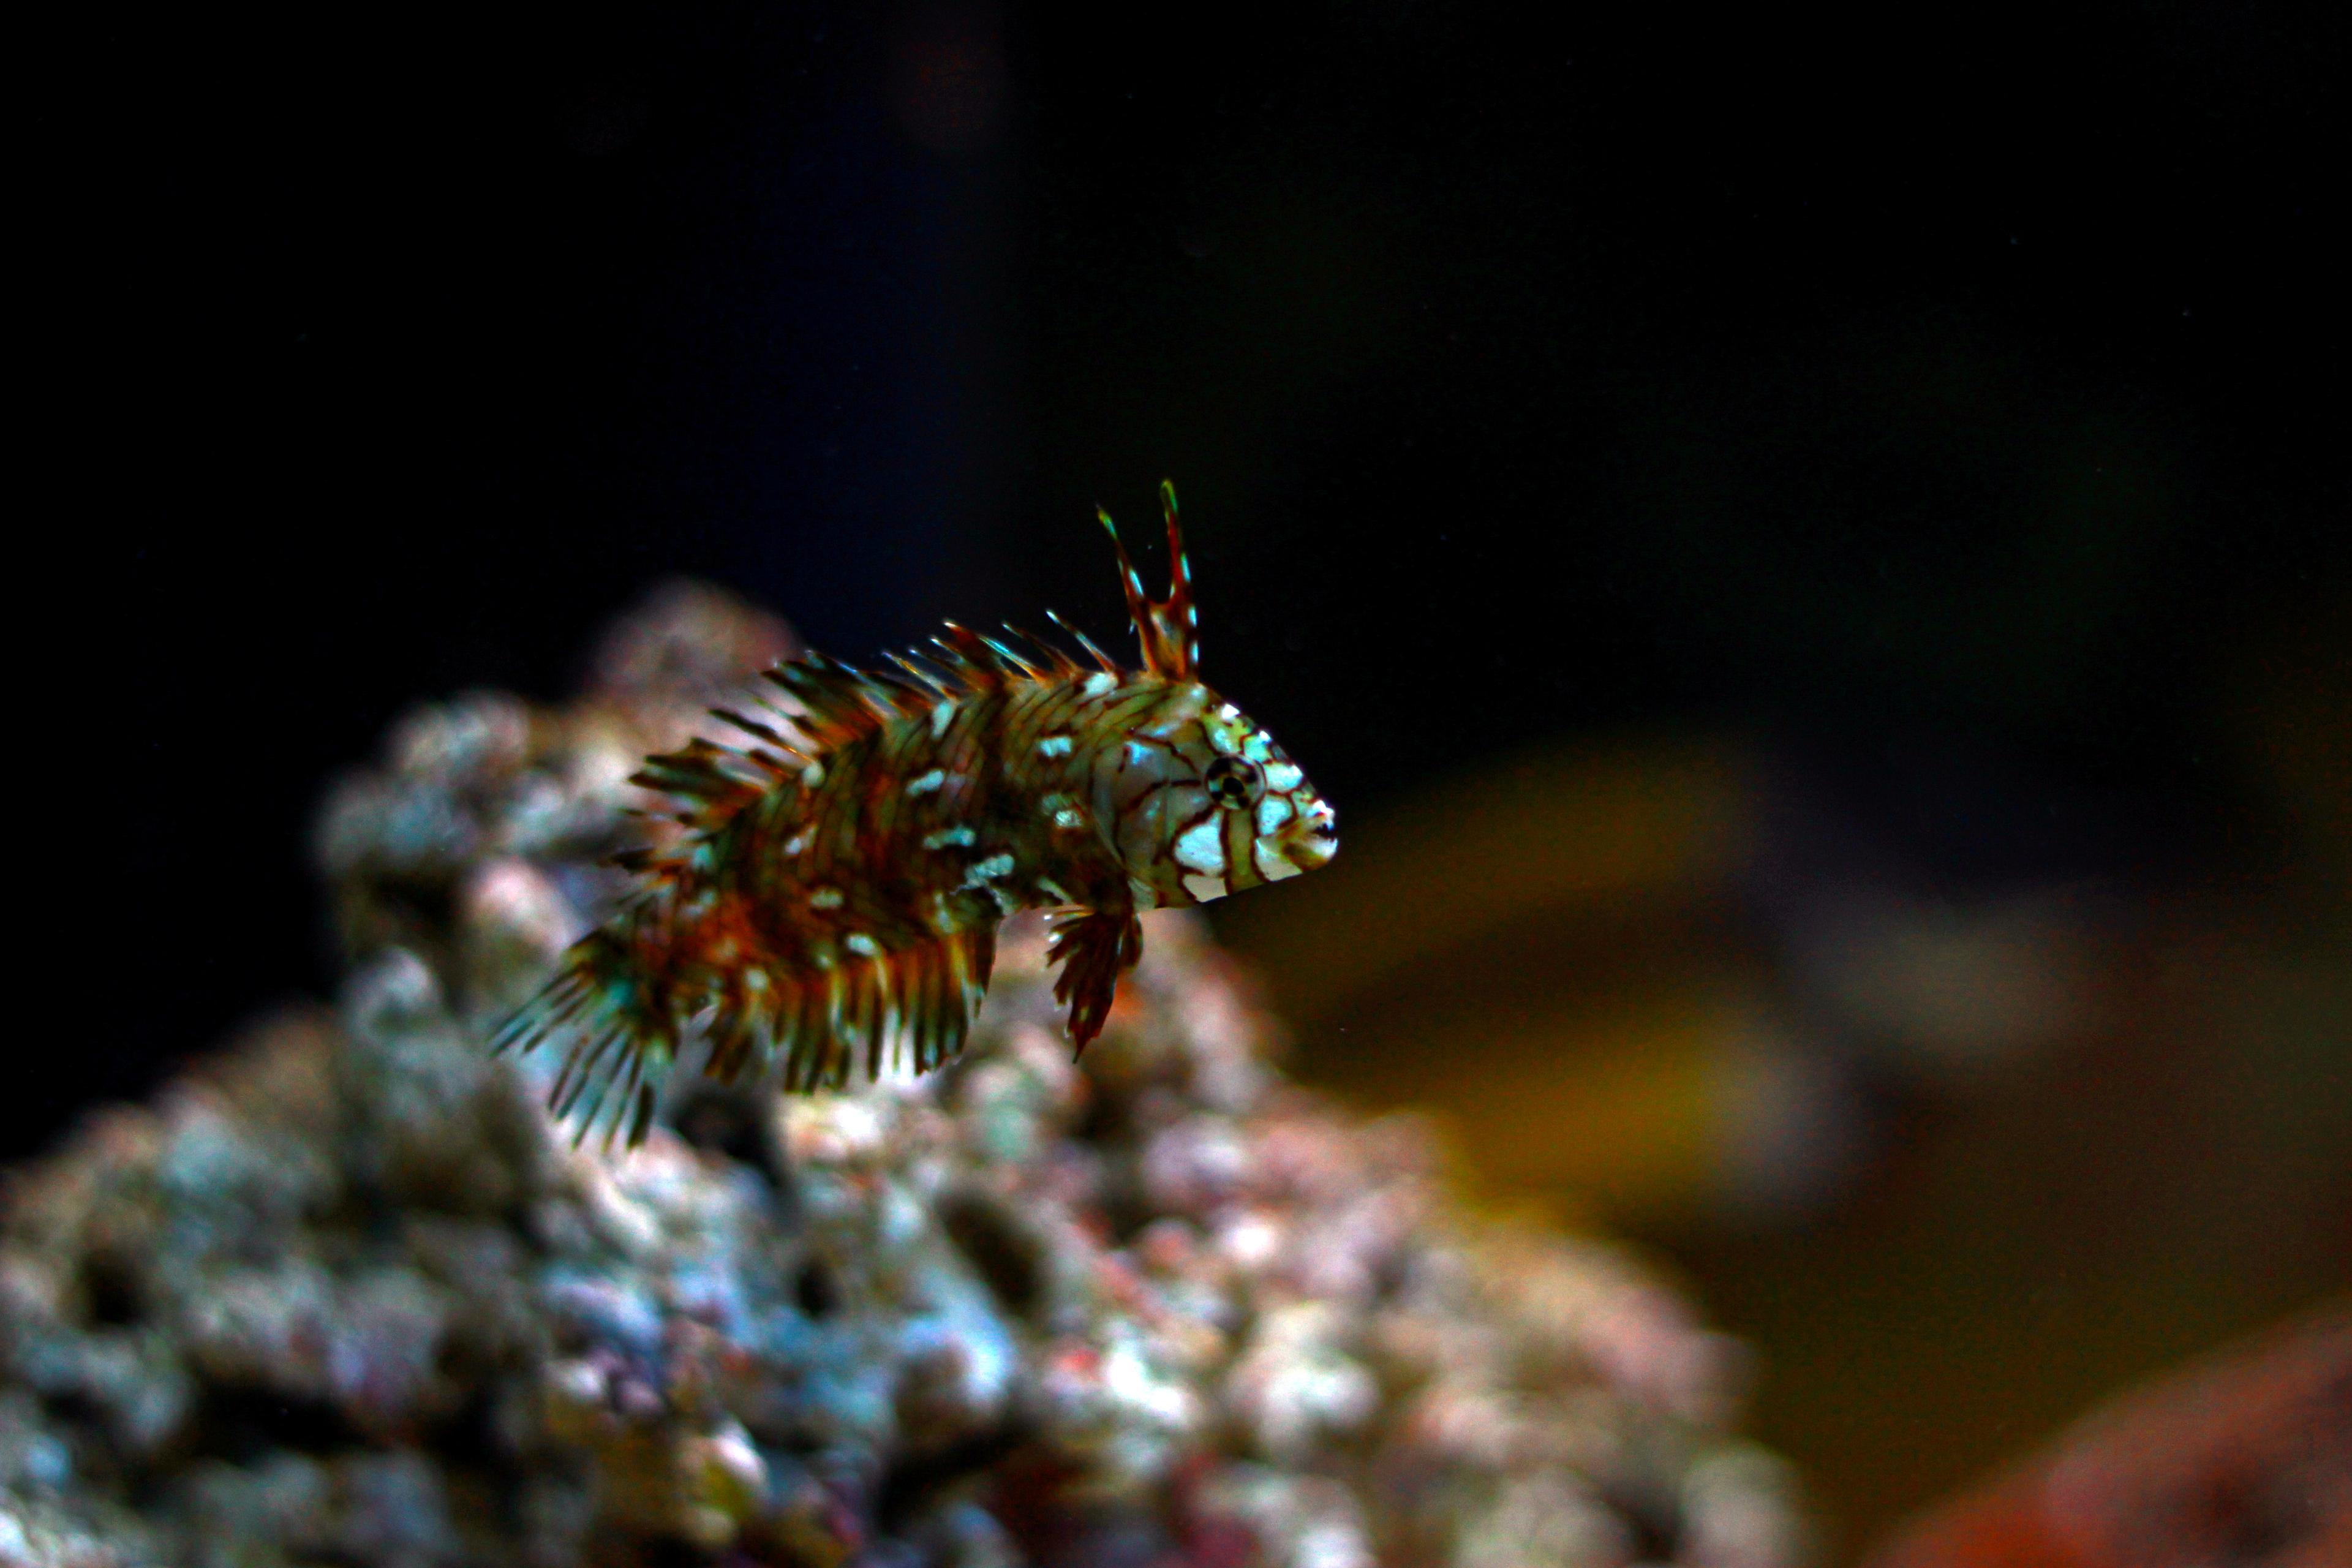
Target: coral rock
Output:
[{"x": 345, "y": 1294}]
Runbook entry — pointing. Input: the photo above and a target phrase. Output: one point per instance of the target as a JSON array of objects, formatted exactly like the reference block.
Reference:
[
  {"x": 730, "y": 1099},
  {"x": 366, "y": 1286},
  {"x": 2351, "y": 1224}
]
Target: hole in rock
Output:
[
  {"x": 1007, "y": 1257},
  {"x": 816, "y": 1292}
]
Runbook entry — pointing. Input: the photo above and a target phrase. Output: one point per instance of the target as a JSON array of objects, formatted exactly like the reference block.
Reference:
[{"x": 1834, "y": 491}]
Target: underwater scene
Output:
[
  {"x": 1390, "y": 786},
  {"x": 347, "y": 1293}
]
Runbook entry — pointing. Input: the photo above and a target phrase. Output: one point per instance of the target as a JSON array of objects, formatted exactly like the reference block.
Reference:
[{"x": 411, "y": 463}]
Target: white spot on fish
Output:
[
  {"x": 1271, "y": 866},
  {"x": 797, "y": 843},
  {"x": 988, "y": 870},
  {"x": 1201, "y": 846},
  {"x": 812, "y": 775},
  {"x": 1207, "y": 889},
  {"x": 1100, "y": 681},
  {"x": 1229, "y": 713},
  {"x": 1284, "y": 776},
  {"x": 825, "y": 898},
  {"x": 942, "y": 715},
  {"x": 1068, "y": 817},
  {"x": 858, "y": 942},
  {"x": 1272, "y": 813},
  {"x": 926, "y": 782},
  {"x": 946, "y": 836},
  {"x": 1053, "y": 746}
]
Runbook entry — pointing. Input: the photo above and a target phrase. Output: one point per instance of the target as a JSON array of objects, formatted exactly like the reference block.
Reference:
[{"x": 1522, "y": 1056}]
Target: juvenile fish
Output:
[{"x": 836, "y": 895}]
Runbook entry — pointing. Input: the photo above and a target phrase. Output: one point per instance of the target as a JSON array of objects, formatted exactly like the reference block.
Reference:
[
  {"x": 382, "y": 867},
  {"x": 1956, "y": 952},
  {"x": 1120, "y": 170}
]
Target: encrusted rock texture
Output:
[{"x": 344, "y": 1295}]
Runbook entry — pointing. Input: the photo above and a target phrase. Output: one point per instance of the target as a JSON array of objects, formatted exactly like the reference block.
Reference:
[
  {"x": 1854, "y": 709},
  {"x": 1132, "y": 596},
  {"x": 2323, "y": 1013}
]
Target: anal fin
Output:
[{"x": 817, "y": 1027}]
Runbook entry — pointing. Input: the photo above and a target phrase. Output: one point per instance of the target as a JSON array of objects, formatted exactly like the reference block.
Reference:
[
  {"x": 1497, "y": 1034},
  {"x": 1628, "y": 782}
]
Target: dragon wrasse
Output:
[{"x": 834, "y": 896}]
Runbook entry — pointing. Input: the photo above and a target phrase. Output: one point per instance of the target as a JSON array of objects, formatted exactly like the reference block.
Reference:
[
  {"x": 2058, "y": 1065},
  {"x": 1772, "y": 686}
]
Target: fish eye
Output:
[{"x": 1234, "y": 783}]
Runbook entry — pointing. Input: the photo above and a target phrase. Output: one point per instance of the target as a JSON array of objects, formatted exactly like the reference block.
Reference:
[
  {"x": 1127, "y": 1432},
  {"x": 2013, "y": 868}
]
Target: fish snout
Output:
[{"x": 1312, "y": 837}]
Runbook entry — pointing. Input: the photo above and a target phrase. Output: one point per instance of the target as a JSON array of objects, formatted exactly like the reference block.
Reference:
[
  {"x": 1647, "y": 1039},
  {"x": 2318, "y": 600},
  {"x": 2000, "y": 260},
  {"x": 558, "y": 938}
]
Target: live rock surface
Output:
[{"x": 344, "y": 1295}]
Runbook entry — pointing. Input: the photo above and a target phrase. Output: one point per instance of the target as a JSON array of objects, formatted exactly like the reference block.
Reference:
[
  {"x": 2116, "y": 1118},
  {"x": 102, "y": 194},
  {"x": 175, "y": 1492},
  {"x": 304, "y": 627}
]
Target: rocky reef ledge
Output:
[{"x": 344, "y": 1294}]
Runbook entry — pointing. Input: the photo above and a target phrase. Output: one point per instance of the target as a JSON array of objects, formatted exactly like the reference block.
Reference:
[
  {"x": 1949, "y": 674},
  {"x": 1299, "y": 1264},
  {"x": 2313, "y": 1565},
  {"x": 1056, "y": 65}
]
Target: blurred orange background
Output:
[{"x": 1956, "y": 1164}]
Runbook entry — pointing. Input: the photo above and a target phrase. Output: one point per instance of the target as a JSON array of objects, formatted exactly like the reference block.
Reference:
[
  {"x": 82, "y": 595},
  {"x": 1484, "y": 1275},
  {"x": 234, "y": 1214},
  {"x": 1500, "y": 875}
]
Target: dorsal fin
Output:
[
  {"x": 973, "y": 662},
  {"x": 1103, "y": 661},
  {"x": 1058, "y": 664},
  {"x": 836, "y": 702},
  {"x": 1168, "y": 628},
  {"x": 711, "y": 782}
]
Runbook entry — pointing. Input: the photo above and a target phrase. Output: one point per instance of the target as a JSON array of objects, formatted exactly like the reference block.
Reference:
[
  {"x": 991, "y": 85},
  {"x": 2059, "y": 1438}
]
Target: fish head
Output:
[{"x": 1199, "y": 802}]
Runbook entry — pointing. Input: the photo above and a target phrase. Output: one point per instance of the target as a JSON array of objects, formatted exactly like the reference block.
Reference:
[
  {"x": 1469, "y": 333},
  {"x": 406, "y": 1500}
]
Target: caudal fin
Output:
[{"x": 610, "y": 1013}]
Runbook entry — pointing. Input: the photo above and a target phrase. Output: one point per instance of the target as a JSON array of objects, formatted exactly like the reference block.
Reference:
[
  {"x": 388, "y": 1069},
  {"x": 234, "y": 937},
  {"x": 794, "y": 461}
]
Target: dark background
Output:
[{"x": 1963, "y": 381}]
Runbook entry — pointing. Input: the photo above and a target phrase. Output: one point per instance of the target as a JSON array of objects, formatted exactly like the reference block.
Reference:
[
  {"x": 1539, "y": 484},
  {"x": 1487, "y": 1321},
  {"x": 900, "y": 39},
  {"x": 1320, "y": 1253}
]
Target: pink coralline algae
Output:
[{"x": 346, "y": 1295}]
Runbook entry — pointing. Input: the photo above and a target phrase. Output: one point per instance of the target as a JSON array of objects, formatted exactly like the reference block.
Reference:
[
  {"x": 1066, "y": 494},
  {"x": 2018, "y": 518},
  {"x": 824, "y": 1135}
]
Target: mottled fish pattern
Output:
[{"x": 835, "y": 897}]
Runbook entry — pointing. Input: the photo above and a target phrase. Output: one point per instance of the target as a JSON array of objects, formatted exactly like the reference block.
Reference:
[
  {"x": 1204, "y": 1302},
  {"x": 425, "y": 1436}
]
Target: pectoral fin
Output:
[{"x": 1094, "y": 947}]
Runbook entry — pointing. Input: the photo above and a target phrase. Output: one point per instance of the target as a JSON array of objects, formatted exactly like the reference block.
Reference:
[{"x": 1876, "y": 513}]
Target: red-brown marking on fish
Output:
[{"x": 836, "y": 899}]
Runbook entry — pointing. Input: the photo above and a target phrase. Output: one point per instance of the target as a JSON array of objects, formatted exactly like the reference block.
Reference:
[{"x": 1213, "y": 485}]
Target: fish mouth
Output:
[{"x": 1313, "y": 849}]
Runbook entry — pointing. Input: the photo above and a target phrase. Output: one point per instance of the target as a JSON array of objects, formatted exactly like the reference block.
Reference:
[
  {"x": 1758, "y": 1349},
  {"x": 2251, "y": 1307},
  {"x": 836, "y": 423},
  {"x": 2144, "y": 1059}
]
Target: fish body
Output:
[{"x": 835, "y": 895}]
